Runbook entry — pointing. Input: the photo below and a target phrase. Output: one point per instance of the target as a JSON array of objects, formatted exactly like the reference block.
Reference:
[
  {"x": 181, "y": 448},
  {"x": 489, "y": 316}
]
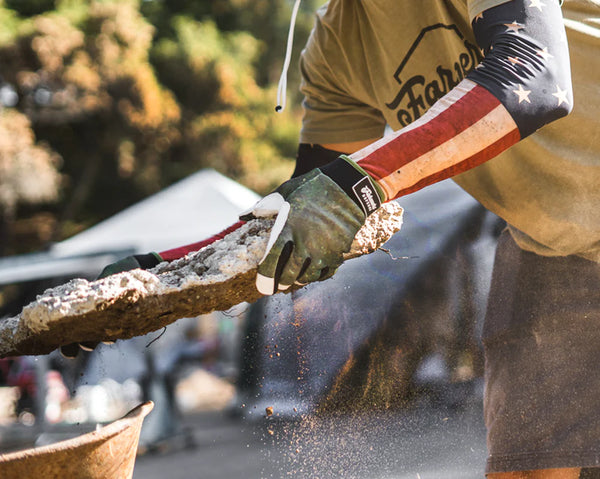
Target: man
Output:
[{"x": 466, "y": 85}]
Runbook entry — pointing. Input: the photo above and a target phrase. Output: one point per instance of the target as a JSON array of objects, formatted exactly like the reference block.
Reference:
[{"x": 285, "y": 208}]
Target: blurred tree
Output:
[
  {"x": 86, "y": 84},
  {"x": 266, "y": 20},
  {"x": 134, "y": 95},
  {"x": 28, "y": 171},
  {"x": 29, "y": 8},
  {"x": 222, "y": 59},
  {"x": 230, "y": 124}
]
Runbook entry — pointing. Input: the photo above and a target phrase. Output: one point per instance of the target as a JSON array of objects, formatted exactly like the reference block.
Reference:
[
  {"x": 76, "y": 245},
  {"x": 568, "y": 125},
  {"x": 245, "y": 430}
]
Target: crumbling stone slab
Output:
[{"x": 138, "y": 302}]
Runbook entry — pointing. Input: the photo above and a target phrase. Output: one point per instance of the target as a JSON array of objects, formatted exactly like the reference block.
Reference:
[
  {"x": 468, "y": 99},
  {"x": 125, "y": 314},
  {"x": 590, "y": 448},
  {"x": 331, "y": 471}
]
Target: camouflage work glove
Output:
[
  {"x": 144, "y": 261},
  {"x": 317, "y": 217}
]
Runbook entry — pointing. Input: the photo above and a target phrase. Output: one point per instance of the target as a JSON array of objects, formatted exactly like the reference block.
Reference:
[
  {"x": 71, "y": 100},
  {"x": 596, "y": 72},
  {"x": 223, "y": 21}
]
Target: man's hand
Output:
[
  {"x": 144, "y": 261},
  {"x": 318, "y": 216}
]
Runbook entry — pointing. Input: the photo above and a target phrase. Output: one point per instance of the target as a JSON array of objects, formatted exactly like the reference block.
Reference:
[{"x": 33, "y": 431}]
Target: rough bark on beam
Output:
[{"x": 138, "y": 302}]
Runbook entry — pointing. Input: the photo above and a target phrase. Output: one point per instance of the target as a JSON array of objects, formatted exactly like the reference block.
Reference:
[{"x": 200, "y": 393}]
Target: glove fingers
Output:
[
  {"x": 125, "y": 264},
  {"x": 294, "y": 267},
  {"x": 327, "y": 273},
  {"x": 300, "y": 279},
  {"x": 267, "y": 207},
  {"x": 316, "y": 272},
  {"x": 88, "y": 345},
  {"x": 69, "y": 351},
  {"x": 272, "y": 264}
]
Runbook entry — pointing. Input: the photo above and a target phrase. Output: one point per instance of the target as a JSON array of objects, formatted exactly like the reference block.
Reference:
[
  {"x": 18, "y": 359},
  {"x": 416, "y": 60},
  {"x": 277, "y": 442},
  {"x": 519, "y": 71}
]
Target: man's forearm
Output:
[{"x": 462, "y": 130}]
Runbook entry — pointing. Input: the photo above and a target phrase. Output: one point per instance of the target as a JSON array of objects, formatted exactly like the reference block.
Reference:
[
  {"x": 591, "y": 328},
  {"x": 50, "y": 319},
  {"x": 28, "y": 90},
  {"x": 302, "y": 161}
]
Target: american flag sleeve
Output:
[{"x": 523, "y": 83}]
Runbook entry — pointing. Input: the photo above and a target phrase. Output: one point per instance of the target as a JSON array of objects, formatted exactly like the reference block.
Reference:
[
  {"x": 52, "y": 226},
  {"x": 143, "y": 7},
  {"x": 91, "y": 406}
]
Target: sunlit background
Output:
[{"x": 132, "y": 125}]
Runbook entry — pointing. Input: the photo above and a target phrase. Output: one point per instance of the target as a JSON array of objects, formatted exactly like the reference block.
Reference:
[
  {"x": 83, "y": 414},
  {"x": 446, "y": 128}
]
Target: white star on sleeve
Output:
[
  {"x": 537, "y": 4},
  {"x": 513, "y": 27},
  {"x": 522, "y": 94},
  {"x": 561, "y": 95},
  {"x": 544, "y": 53}
]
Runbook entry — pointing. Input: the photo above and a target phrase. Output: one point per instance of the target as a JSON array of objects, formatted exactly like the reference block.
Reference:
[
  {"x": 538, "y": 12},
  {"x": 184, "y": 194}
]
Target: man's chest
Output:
[{"x": 415, "y": 53}]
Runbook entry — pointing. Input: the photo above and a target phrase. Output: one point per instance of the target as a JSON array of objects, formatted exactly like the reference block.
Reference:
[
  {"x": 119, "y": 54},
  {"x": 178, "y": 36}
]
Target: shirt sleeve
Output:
[
  {"x": 526, "y": 61},
  {"x": 331, "y": 113},
  {"x": 522, "y": 84}
]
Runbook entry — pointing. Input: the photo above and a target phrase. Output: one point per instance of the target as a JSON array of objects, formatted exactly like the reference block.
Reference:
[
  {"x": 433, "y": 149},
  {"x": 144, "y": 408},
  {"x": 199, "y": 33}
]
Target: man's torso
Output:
[{"x": 397, "y": 58}]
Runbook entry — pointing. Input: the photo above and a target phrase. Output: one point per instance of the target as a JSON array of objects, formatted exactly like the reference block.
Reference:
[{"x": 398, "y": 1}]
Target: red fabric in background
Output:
[{"x": 181, "y": 251}]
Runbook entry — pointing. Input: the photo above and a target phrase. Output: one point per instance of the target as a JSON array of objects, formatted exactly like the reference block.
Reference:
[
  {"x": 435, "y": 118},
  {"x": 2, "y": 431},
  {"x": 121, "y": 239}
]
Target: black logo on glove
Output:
[{"x": 367, "y": 196}]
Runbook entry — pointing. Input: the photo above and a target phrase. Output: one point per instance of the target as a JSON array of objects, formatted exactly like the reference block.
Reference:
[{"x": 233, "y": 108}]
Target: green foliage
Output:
[
  {"x": 132, "y": 95},
  {"x": 231, "y": 126},
  {"x": 28, "y": 8},
  {"x": 9, "y": 24}
]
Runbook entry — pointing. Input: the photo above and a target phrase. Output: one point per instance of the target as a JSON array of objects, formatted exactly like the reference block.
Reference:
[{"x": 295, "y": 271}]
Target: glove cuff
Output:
[
  {"x": 356, "y": 183},
  {"x": 149, "y": 260}
]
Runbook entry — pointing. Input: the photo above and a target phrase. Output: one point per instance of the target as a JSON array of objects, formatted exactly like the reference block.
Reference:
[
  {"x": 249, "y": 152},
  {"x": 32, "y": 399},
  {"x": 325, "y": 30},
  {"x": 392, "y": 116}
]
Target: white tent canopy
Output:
[{"x": 191, "y": 210}]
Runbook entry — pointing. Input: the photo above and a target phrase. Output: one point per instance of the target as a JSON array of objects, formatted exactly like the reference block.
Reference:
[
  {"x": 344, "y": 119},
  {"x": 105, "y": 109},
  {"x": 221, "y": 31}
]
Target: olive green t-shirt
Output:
[{"x": 373, "y": 63}]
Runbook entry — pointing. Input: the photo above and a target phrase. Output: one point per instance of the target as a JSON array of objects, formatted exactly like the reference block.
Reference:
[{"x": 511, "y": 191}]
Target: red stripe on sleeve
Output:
[
  {"x": 479, "y": 158},
  {"x": 176, "y": 253},
  {"x": 406, "y": 147}
]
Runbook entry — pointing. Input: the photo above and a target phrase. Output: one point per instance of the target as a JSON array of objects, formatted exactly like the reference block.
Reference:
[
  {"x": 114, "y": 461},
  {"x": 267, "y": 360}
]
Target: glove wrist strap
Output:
[
  {"x": 149, "y": 260},
  {"x": 356, "y": 183}
]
